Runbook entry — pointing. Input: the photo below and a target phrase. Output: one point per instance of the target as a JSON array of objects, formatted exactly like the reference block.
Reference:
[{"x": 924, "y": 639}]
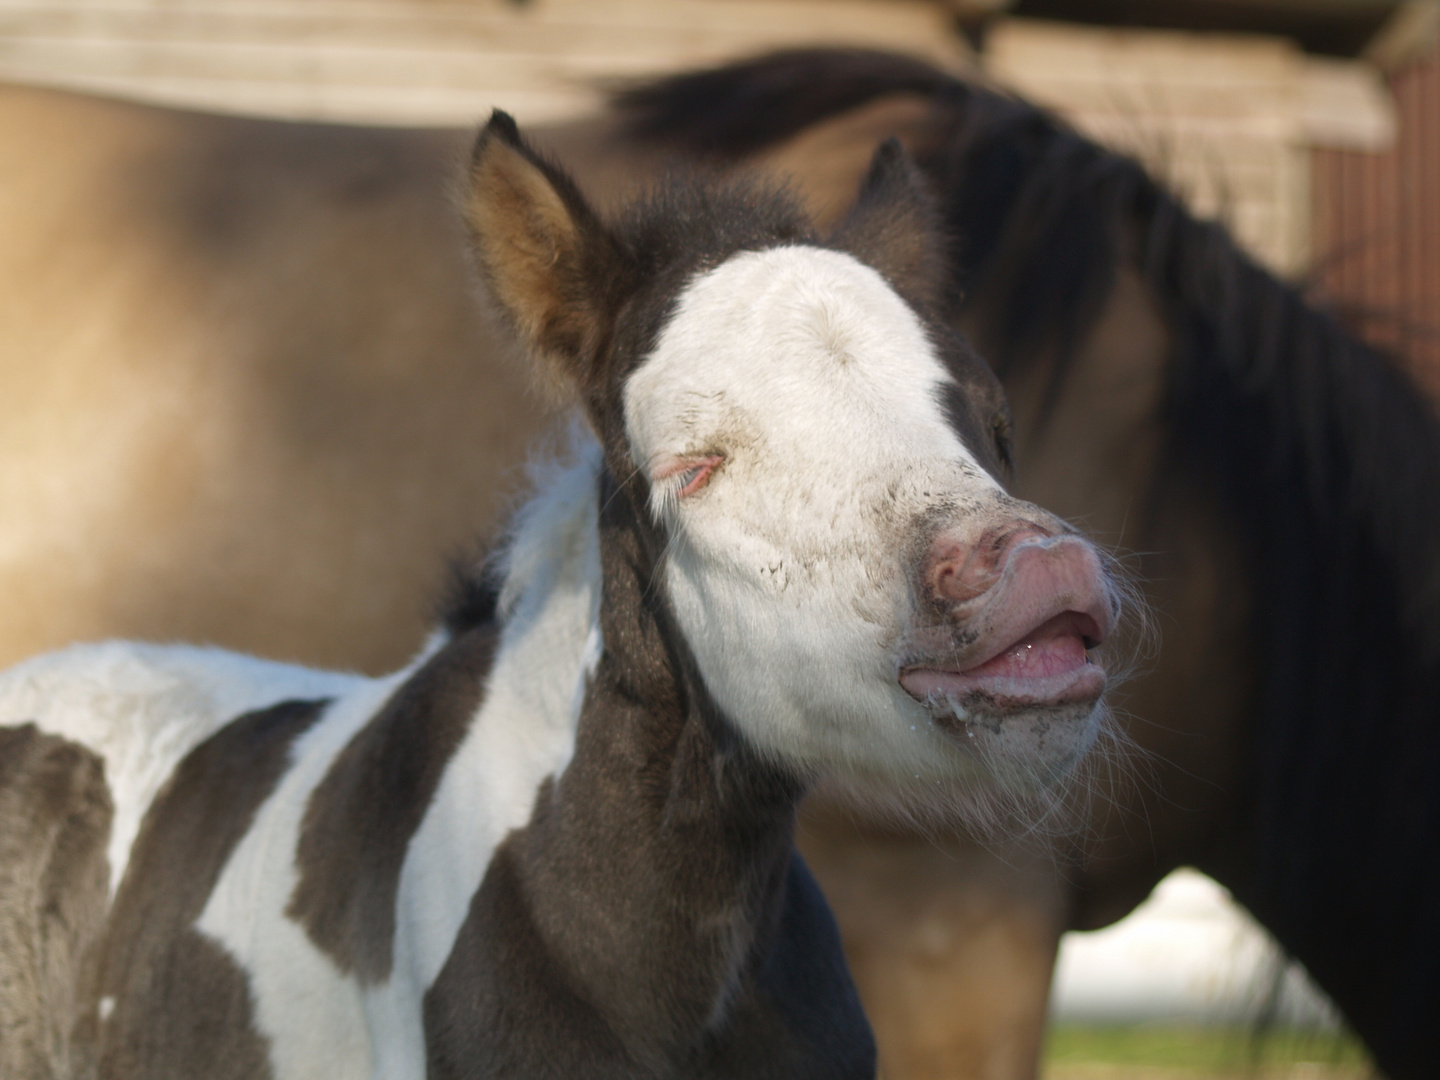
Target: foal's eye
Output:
[
  {"x": 693, "y": 479},
  {"x": 690, "y": 475}
]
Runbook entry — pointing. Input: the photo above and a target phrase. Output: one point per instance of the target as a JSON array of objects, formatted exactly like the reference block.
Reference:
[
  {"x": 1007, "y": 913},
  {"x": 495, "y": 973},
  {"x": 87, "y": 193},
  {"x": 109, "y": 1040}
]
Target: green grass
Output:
[{"x": 1209, "y": 1050}]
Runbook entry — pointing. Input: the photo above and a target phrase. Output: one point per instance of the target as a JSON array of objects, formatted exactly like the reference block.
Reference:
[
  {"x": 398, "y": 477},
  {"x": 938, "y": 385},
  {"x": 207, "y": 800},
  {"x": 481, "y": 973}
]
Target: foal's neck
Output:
[
  {"x": 672, "y": 838},
  {"x": 652, "y": 917}
]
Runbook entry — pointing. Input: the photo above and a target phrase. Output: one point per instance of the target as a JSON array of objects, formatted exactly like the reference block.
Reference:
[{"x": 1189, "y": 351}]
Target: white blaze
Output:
[{"x": 820, "y": 386}]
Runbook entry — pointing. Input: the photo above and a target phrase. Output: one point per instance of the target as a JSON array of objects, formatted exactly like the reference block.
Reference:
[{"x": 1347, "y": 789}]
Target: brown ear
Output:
[
  {"x": 895, "y": 226},
  {"x": 551, "y": 264}
]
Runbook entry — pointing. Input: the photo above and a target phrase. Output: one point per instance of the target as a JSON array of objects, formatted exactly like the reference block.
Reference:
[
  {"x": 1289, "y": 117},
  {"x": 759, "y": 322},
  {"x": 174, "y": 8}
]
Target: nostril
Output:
[
  {"x": 958, "y": 573},
  {"x": 958, "y": 578}
]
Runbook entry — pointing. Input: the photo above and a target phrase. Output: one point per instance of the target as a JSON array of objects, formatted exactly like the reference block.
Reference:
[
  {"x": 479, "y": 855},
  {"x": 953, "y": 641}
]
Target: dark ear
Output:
[
  {"x": 895, "y": 226},
  {"x": 551, "y": 264}
]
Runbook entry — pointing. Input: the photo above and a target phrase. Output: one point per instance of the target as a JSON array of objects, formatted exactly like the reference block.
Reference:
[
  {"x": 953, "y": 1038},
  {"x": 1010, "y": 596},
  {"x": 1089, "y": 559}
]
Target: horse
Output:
[
  {"x": 277, "y": 318},
  {"x": 1279, "y": 481},
  {"x": 560, "y": 841}
]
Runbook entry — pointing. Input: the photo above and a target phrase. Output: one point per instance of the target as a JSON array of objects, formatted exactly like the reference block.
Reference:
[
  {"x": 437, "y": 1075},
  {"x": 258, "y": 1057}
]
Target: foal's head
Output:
[{"x": 814, "y": 462}]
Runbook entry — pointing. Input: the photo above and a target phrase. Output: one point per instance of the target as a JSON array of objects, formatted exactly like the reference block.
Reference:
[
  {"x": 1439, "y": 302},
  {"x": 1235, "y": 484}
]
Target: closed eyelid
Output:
[{"x": 694, "y": 471}]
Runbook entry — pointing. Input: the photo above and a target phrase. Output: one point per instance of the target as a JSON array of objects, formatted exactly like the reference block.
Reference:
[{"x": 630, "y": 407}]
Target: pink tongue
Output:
[{"x": 1036, "y": 657}]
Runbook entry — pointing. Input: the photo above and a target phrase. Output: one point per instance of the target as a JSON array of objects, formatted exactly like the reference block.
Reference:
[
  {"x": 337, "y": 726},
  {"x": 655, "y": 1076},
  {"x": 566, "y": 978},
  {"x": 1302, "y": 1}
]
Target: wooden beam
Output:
[
  {"x": 1407, "y": 36},
  {"x": 1345, "y": 105},
  {"x": 1228, "y": 120},
  {"x": 425, "y": 61},
  {"x": 1335, "y": 27}
]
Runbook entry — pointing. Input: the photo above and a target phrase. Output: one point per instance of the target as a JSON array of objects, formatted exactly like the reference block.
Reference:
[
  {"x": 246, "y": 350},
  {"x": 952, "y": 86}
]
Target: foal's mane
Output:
[{"x": 1324, "y": 455}]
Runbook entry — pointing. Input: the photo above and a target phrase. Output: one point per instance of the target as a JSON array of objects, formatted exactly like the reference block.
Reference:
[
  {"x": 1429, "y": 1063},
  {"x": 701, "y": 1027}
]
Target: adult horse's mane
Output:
[{"x": 1322, "y": 452}]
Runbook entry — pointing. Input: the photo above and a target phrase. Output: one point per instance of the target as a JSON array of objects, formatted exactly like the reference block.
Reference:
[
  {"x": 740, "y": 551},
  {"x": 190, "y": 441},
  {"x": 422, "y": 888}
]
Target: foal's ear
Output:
[
  {"x": 895, "y": 226},
  {"x": 550, "y": 262}
]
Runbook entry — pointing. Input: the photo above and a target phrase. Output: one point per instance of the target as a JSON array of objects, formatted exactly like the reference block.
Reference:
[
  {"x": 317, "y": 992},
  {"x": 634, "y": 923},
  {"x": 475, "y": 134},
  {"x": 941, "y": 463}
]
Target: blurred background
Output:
[{"x": 1312, "y": 127}]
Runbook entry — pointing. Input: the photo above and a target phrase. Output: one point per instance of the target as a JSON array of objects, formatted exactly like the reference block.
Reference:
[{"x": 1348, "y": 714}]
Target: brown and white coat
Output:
[{"x": 559, "y": 842}]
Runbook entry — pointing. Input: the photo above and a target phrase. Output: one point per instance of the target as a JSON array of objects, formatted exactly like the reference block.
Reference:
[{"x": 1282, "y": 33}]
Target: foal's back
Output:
[{"x": 91, "y": 740}]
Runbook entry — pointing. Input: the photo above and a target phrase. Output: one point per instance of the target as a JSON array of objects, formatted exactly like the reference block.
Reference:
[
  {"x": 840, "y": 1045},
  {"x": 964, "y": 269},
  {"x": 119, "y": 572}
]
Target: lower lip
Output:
[{"x": 1046, "y": 668}]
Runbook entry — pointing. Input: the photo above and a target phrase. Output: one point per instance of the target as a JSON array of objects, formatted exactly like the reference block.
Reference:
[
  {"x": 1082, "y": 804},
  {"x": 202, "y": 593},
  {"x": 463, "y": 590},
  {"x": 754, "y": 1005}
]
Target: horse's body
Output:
[
  {"x": 951, "y": 944},
  {"x": 215, "y": 393},
  {"x": 560, "y": 841},
  {"x": 1281, "y": 484}
]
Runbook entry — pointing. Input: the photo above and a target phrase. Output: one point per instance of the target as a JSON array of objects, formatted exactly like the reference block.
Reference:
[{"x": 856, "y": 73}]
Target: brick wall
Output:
[{"x": 1377, "y": 227}]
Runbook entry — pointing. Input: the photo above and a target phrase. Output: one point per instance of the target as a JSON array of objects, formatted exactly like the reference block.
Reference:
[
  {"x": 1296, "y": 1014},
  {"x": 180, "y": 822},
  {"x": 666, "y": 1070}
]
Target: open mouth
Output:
[{"x": 1049, "y": 666}]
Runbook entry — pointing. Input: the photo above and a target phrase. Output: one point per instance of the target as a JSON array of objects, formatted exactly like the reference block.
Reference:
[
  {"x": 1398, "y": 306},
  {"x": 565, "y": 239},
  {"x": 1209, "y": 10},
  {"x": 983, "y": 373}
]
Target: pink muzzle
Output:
[{"x": 1021, "y": 607}]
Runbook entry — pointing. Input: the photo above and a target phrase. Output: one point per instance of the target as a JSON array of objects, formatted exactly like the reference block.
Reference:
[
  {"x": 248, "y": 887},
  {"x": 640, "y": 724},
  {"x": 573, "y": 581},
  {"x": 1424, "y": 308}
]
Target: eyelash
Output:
[{"x": 691, "y": 475}]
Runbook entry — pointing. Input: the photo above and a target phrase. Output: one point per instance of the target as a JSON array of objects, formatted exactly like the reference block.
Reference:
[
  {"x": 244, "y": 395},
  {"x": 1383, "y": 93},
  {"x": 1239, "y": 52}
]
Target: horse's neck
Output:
[
  {"x": 1113, "y": 388},
  {"x": 649, "y": 882}
]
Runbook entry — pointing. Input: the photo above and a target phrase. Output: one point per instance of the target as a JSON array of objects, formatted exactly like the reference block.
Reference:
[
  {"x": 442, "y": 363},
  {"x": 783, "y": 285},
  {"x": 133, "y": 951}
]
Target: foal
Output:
[{"x": 559, "y": 843}]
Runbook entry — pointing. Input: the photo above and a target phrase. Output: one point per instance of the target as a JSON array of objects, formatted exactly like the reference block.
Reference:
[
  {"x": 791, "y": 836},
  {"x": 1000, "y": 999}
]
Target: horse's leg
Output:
[
  {"x": 54, "y": 824},
  {"x": 951, "y": 944}
]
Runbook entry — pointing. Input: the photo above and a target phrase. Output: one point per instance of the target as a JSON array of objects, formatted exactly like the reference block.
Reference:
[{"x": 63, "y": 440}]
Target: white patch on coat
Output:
[
  {"x": 142, "y": 708},
  {"x": 311, "y": 1013},
  {"x": 788, "y": 570},
  {"x": 319, "y": 1021},
  {"x": 523, "y": 733}
]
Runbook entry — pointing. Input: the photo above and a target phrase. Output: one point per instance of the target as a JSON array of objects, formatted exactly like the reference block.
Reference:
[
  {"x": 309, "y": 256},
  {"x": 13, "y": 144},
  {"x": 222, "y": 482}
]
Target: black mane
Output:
[
  {"x": 1323, "y": 453},
  {"x": 736, "y": 110}
]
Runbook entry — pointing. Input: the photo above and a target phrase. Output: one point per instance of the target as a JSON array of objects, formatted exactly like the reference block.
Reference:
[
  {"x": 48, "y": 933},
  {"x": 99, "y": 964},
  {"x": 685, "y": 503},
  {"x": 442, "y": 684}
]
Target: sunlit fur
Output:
[{"x": 141, "y": 708}]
